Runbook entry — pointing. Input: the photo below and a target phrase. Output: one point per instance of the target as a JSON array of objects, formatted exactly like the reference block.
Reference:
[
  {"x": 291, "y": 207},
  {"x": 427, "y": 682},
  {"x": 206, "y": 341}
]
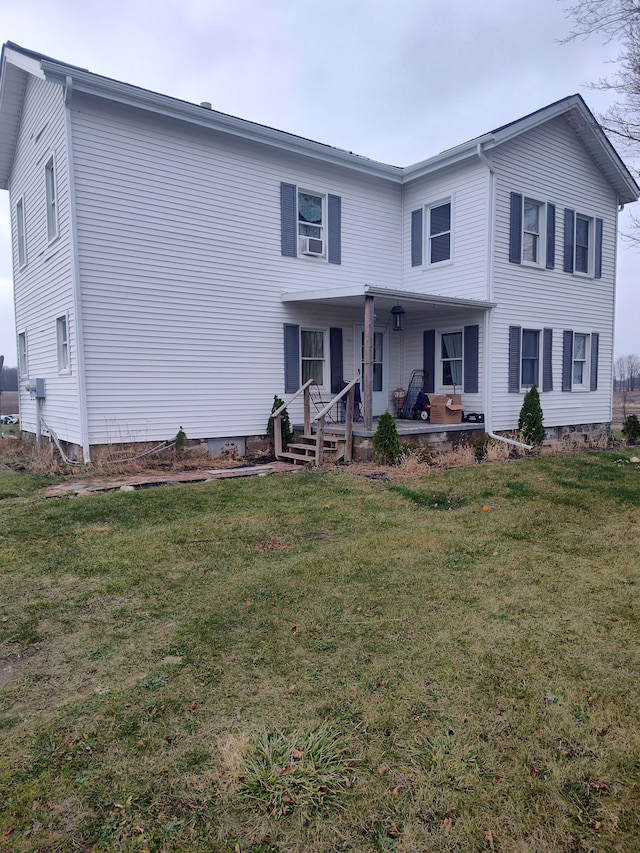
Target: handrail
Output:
[
  {"x": 335, "y": 400},
  {"x": 297, "y": 394}
]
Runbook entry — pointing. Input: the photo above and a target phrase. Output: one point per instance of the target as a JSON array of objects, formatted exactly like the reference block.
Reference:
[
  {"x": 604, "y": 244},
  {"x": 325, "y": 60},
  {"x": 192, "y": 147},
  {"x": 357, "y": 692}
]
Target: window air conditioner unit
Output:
[{"x": 311, "y": 246}]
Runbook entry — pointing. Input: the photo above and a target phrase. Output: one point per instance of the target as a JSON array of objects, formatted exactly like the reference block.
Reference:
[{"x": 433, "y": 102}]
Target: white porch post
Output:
[{"x": 367, "y": 379}]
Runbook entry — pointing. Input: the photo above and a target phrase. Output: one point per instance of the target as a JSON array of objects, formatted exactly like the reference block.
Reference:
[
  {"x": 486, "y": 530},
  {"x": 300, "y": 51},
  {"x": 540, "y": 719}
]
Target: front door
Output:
[{"x": 380, "y": 392}]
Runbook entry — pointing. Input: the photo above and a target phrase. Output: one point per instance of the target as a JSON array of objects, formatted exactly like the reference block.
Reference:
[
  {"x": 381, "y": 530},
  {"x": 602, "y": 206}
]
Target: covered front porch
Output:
[{"x": 382, "y": 337}]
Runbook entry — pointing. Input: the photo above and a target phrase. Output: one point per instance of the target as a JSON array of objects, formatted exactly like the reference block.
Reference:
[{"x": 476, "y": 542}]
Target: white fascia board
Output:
[
  {"x": 396, "y": 294},
  {"x": 125, "y": 93},
  {"x": 26, "y": 63},
  {"x": 446, "y": 158}
]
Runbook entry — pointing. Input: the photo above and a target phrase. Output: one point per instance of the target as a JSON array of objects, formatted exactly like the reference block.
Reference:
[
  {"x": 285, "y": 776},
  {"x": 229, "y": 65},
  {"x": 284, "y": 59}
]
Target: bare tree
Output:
[
  {"x": 616, "y": 21},
  {"x": 626, "y": 371}
]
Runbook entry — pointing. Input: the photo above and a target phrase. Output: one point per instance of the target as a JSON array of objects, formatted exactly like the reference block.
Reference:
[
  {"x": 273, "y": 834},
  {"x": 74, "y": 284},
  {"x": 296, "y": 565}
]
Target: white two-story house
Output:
[{"x": 176, "y": 266}]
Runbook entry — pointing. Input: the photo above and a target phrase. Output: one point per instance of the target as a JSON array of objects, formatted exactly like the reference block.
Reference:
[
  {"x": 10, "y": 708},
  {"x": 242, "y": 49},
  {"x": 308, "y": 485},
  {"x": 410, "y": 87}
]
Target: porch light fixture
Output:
[{"x": 397, "y": 314}]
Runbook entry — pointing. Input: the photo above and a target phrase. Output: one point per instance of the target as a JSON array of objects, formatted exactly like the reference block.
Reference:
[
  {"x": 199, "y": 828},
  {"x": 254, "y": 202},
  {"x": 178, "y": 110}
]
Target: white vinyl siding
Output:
[
  {"x": 221, "y": 289},
  {"x": 464, "y": 274},
  {"x": 43, "y": 287},
  {"x": 549, "y": 164}
]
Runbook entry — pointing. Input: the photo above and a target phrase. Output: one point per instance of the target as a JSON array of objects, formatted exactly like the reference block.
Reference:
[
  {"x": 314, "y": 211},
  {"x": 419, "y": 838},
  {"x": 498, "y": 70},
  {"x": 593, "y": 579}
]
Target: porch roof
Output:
[{"x": 352, "y": 296}]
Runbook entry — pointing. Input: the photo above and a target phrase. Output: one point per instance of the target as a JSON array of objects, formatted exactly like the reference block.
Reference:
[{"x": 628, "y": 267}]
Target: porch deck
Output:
[
  {"x": 405, "y": 427},
  {"x": 441, "y": 437}
]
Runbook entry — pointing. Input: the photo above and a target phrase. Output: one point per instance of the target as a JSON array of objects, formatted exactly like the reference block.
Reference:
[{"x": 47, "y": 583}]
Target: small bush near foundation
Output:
[
  {"x": 631, "y": 429},
  {"x": 386, "y": 444},
  {"x": 285, "y": 423},
  {"x": 530, "y": 422},
  {"x": 480, "y": 444}
]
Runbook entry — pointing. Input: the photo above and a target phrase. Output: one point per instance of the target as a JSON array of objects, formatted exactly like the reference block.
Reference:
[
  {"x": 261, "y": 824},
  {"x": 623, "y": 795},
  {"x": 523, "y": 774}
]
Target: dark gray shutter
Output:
[
  {"x": 547, "y": 357},
  {"x": 429, "y": 360},
  {"x": 288, "y": 220},
  {"x": 567, "y": 360},
  {"x": 514, "y": 358},
  {"x": 569, "y": 237},
  {"x": 416, "y": 238},
  {"x": 598, "y": 258},
  {"x": 470, "y": 379},
  {"x": 515, "y": 229},
  {"x": 291, "y": 358},
  {"x": 334, "y": 214},
  {"x": 335, "y": 355},
  {"x": 595, "y": 346},
  {"x": 551, "y": 236}
]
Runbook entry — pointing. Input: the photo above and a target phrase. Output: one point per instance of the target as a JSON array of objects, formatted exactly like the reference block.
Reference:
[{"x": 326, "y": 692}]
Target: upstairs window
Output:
[
  {"x": 582, "y": 244},
  {"x": 51, "y": 199},
  {"x": 439, "y": 231},
  {"x": 62, "y": 334},
  {"x": 532, "y": 232},
  {"x": 21, "y": 233},
  {"x": 311, "y": 223}
]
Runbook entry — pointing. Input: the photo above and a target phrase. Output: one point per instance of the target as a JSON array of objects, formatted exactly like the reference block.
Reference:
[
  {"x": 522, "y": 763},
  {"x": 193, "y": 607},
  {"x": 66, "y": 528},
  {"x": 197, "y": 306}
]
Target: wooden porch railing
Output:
[{"x": 319, "y": 419}]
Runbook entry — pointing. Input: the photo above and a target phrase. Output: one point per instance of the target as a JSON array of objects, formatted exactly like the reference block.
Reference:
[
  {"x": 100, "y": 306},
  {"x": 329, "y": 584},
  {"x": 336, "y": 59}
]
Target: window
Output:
[
  {"x": 531, "y": 231},
  {"x": 51, "y": 200},
  {"x": 62, "y": 333},
  {"x": 439, "y": 231},
  {"x": 451, "y": 359},
  {"x": 530, "y": 357},
  {"x": 22, "y": 355},
  {"x": 579, "y": 371},
  {"x": 583, "y": 230},
  {"x": 312, "y": 353},
  {"x": 582, "y": 244},
  {"x": 311, "y": 223},
  {"x": 21, "y": 234}
]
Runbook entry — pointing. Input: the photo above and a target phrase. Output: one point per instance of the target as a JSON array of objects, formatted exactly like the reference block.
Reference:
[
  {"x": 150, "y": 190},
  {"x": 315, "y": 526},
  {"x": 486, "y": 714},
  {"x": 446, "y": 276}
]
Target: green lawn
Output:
[{"x": 325, "y": 662}]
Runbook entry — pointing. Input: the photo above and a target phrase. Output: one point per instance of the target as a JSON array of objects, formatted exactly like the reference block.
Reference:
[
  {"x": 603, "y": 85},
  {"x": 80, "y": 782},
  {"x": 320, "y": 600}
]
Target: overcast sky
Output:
[{"x": 394, "y": 80}]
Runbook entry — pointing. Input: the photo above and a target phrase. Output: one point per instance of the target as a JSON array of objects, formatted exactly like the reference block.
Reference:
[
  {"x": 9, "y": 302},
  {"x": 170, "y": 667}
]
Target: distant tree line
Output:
[
  {"x": 626, "y": 372},
  {"x": 9, "y": 379}
]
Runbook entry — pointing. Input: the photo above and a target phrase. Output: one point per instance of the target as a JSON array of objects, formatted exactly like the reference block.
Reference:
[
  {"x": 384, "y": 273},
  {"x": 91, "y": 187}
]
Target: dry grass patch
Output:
[{"x": 454, "y": 658}]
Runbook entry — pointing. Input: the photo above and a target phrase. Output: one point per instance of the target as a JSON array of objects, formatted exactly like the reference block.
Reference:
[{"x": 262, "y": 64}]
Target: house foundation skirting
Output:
[{"x": 435, "y": 436}]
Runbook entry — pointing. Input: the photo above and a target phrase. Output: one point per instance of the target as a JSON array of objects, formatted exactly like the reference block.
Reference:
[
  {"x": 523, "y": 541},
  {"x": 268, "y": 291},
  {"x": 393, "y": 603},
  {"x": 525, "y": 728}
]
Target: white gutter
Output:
[{"x": 488, "y": 316}]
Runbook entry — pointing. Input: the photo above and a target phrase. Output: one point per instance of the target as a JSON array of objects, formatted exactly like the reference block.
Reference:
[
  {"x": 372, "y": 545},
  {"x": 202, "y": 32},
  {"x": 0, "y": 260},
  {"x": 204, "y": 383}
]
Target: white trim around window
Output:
[
  {"x": 23, "y": 362},
  {"x": 62, "y": 344},
  {"x": 51, "y": 197},
  {"x": 21, "y": 233}
]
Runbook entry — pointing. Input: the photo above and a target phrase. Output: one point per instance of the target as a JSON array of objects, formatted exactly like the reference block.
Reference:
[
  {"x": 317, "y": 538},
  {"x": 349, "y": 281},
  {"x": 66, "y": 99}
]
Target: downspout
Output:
[
  {"x": 75, "y": 279},
  {"x": 488, "y": 315}
]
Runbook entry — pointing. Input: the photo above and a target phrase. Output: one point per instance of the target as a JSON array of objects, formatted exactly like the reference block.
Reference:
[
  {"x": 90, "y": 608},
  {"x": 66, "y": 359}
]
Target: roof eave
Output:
[{"x": 166, "y": 105}]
